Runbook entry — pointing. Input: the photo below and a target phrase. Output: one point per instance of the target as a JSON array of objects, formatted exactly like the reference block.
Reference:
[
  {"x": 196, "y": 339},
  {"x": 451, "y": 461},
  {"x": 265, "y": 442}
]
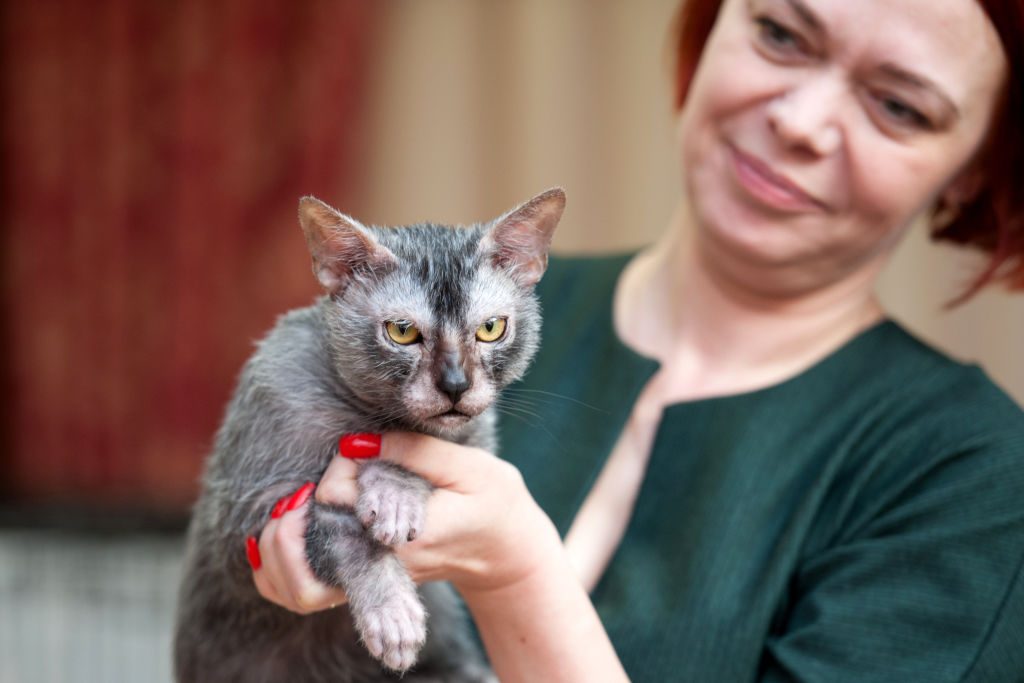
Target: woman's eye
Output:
[
  {"x": 903, "y": 113},
  {"x": 777, "y": 37},
  {"x": 492, "y": 330},
  {"x": 402, "y": 332}
]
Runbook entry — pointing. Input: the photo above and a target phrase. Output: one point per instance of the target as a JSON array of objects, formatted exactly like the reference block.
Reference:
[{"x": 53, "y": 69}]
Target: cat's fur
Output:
[{"x": 329, "y": 370}]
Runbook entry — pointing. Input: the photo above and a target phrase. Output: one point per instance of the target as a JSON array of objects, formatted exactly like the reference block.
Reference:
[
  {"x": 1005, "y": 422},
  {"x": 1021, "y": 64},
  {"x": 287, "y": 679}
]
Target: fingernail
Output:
[
  {"x": 279, "y": 506},
  {"x": 359, "y": 446},
  {"x": 252, "y": 551},
  {"x": 300, "y": 497}
]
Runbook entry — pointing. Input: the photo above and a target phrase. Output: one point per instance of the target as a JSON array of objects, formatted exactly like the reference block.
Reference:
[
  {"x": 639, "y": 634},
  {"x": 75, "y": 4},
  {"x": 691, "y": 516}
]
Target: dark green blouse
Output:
[{"x": 862, "y": 521}]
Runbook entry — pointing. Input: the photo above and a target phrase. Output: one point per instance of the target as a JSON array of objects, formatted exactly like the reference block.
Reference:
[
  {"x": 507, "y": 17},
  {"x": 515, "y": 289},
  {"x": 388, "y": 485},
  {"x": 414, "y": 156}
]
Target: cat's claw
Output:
[
  {"x": 394, "y": 522},
  {"x": 394, "y": 632},
  {"x": 391, "y": 511}
]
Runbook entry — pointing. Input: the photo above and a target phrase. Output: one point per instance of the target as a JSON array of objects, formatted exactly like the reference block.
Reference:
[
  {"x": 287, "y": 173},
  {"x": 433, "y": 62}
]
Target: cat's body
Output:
[{"x": 332, "y": 369}]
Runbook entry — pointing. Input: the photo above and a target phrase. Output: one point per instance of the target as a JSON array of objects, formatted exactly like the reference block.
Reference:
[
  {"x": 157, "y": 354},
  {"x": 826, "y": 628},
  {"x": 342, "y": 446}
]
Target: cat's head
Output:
[{"x": 427, "y": 323}]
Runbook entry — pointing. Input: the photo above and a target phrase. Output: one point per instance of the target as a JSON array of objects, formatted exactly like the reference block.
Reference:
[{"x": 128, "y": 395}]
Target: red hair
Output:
[{"x": 993, "y": 219}]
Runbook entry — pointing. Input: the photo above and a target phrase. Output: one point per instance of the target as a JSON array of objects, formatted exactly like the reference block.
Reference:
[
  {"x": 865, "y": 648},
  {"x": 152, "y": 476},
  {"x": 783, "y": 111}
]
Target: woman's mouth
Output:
[{"x": 771, "y": 188}]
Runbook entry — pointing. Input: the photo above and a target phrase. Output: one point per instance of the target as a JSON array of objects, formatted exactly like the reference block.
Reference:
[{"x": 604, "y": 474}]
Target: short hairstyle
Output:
[{"x": 993, "y": 219}]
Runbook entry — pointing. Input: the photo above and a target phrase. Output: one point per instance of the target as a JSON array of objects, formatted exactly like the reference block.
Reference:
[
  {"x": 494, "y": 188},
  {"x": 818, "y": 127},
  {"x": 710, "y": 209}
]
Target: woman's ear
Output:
[
  {"x": 963, "y": 190},
  {"x": 965, "y": 187}
]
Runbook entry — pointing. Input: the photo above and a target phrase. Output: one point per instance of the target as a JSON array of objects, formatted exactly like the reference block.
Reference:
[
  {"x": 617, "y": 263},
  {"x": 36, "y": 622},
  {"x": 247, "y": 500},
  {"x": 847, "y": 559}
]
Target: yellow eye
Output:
[
  {"x": 402, "y": 332},
  {"x": 492, "y": 330}
]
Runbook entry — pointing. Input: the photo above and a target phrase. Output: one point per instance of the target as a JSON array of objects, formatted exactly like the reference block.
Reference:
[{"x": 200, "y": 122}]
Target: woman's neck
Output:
[{"x": 714, "y": 336}]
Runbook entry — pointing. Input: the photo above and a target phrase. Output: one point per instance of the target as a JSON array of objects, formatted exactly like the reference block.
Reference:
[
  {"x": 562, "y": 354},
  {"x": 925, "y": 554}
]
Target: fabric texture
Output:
[{"x": 861, "y": 521}]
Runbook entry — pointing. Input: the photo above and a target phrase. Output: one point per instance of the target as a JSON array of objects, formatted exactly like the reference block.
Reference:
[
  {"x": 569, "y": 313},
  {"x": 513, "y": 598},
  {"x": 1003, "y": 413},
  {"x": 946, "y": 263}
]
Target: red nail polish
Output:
[
  {"x": 252, "y": 551},
  {"x": 279, "y": 506},
  {"x": 359, "y": 446},
  {"x": 300, "y": 497}
]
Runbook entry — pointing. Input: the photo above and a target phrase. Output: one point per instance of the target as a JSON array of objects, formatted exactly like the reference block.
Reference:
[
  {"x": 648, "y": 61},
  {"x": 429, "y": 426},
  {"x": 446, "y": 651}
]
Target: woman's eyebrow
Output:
[
  {"x": 898, "y": 73},
  {"x": 808, "y": 16},
  {"x": 894, "y": 71}
]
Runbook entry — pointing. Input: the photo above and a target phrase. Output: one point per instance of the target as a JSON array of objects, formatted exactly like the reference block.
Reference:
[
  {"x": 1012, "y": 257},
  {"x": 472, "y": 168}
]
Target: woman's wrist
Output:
[
  {"x": 529, "y": 546},
  {"x": 533, "y": 625}
]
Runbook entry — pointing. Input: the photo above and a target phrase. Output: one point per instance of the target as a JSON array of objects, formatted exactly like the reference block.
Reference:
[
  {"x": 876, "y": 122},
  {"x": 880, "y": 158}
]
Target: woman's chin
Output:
[{"x": 753, "y": 241}]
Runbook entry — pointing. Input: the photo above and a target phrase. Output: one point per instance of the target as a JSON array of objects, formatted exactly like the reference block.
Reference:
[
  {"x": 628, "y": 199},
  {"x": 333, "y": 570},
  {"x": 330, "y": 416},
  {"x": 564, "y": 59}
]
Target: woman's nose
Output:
[{"x": 806, "y": 117}]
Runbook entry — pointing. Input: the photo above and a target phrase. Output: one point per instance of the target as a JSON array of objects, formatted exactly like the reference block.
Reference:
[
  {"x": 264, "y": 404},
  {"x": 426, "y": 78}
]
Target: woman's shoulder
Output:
[
  {"x": 929, "y": 383},
  {"x": 890, "y": 413},
  {"x": 922, "y": 423},
  {"x": 925, "y": 494}
]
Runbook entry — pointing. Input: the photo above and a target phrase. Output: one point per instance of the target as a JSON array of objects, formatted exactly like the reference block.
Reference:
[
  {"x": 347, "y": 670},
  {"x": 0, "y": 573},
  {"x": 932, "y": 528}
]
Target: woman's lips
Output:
[{"x": 770, "y": 188}]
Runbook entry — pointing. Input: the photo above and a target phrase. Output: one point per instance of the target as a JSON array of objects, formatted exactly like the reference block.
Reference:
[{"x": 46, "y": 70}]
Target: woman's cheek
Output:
[{"x": 888, "y": 188}]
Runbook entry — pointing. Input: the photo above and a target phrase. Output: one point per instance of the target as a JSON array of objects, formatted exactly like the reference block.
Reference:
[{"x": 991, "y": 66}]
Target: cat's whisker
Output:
[
  {"x": 535, "y": 422},
  {"x": 520, "y": 409},
  {"x": 552, "y": 394},
  {"x": 517, "y": 401},
  {"x": 524, "y": 403},
  {"x": 523, "y": 406},
  {"x": 531, "y": 420}
]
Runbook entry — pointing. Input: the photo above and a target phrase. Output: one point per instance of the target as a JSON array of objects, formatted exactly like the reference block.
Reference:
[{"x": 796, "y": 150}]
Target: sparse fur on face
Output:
[
  {"x": 420, "y": 329},
  {"x": 446, "y": 286}
]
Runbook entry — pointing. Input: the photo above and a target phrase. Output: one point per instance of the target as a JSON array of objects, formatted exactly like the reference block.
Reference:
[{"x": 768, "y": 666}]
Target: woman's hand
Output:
[
  {"x": 280, "y": 570},
  {"x": 483, "y": 529},
  {"x": 486, "y": 535}
]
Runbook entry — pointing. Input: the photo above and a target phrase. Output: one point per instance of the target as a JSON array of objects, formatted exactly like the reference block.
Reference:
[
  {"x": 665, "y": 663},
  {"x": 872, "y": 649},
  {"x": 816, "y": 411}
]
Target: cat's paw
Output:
[
  {"x": 394, "y": 632},
  {"x": 392, "y": 505},
  {"x": 391, "y": 515}
]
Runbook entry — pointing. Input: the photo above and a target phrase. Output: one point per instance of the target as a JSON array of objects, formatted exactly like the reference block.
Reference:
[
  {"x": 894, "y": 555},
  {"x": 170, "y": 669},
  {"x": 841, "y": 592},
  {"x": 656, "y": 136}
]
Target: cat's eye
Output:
[
  {"x": 492, "y": 330},
  {"x": 402, "y": 332}
]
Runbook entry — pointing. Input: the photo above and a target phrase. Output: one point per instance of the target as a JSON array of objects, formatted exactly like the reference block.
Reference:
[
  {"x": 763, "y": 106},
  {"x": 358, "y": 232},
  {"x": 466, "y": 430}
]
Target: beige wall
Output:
[{"x": 480, "y": 104}]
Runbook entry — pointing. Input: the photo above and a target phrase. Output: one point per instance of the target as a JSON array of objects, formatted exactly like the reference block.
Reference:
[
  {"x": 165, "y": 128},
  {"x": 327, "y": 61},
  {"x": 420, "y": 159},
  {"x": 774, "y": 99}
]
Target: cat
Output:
[{"x": 420, "y": 327}]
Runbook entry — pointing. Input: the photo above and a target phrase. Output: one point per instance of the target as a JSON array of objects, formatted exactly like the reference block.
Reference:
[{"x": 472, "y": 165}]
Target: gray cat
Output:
[{"x": 420, "y": 328}]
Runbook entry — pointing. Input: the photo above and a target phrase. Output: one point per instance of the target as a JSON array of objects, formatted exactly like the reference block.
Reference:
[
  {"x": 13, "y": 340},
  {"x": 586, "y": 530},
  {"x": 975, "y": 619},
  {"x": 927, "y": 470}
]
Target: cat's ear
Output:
[
  {"x": 340, "y": 246},
  {"x": 518, "y": 242}
]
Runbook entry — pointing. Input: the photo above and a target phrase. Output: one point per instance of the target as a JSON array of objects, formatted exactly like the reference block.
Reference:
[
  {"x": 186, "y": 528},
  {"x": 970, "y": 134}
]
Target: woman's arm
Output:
[
  {"x": 487, "y": 536},
  {"x": 544, "y": 628}
]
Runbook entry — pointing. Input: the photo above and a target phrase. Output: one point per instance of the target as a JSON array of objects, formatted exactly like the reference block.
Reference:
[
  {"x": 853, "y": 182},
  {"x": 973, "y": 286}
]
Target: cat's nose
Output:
[{"x": 452, "y": 380}]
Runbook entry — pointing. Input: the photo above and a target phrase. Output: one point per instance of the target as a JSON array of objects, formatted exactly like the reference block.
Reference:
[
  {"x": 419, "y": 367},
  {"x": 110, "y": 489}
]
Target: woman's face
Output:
[{"x": 815, "y": 130}]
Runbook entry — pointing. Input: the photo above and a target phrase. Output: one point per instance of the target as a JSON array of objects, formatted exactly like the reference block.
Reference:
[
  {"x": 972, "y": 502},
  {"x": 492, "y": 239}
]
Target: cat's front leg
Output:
[
  {"x": 392, "y": 502},
  {"x": 382, "y": 599}
]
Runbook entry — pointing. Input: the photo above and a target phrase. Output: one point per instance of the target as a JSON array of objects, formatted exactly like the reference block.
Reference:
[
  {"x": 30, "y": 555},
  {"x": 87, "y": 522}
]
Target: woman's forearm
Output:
[{"x": 544, "y": 627}]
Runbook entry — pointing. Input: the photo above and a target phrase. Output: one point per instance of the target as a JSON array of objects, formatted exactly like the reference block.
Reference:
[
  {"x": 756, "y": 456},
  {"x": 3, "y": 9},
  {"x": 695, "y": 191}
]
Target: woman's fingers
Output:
[
  {"x": 285, "y": 577},
  {"x": 266, "y": 587},
  {"x": 289, "y": 559},
  {"x": 338, "y": 485},
  {"x": 444, "y": 464}
]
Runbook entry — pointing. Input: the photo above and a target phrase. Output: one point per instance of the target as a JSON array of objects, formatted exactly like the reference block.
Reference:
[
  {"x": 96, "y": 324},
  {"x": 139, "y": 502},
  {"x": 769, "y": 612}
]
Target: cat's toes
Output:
[
  {"x": 391, "y": 517},
  {"x": 367, "y": 506},
  {"x": 395, "y": 632}
]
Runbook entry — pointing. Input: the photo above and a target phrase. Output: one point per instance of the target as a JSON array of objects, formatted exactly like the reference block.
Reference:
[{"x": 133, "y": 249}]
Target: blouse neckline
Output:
[{"x": 651, "y": 366}]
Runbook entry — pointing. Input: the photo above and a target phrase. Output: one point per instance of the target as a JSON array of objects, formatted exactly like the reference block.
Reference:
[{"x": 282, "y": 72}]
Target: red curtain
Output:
[{"x": 154, "y": 153}]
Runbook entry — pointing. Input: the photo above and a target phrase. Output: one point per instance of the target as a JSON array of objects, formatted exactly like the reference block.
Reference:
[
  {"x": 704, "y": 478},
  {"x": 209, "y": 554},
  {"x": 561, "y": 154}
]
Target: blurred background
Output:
[{"x": 153, "y": 156}]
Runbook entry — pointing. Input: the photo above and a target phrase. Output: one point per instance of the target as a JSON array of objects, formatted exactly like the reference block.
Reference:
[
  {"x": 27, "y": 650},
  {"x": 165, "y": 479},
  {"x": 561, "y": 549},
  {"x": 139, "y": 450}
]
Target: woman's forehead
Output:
[{"x": 950, "y": 43}]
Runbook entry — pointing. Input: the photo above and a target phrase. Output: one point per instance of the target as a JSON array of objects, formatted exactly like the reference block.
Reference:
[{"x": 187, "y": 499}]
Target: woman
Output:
[{"x": 773, "y": 482}]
